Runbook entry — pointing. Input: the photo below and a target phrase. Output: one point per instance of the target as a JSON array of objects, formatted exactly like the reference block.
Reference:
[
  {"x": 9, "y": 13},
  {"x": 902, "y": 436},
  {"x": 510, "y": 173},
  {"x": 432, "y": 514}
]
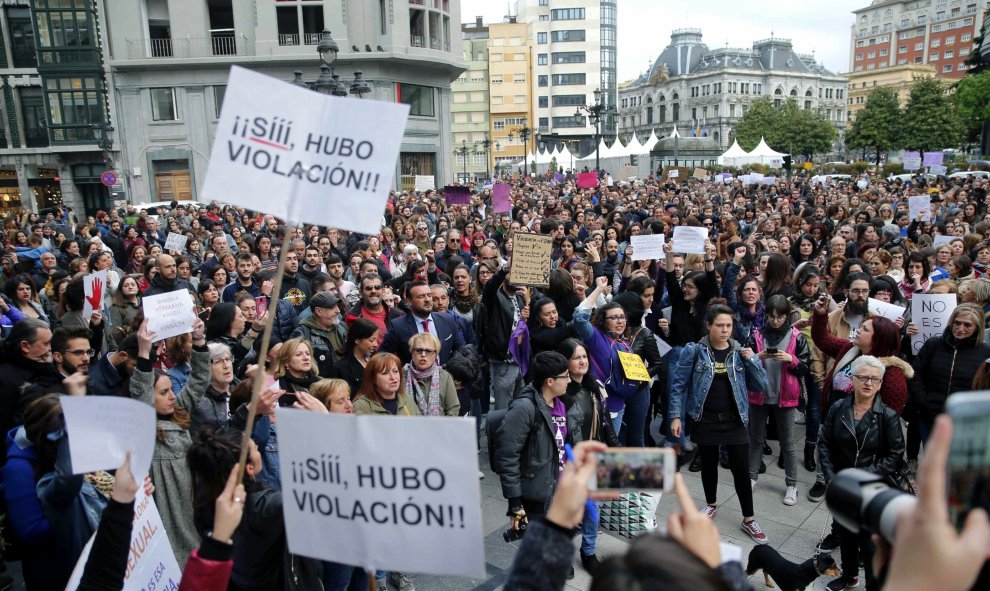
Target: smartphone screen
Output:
[
  {"x": 261, "y": 303},
  {"x": 635, "y": 469},
  {"x": 771, "y": 351},
  {"x": 969, "y": 457}
]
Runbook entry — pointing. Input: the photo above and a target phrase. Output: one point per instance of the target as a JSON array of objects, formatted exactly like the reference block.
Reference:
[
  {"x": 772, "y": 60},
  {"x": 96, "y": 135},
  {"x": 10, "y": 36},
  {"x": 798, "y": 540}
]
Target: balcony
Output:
[
  {"x": 417, "y": 41},
  {"x": 289, "y": 39},
  {"x": 188, "y": 47},
  {"x": 36, "y": 137}
]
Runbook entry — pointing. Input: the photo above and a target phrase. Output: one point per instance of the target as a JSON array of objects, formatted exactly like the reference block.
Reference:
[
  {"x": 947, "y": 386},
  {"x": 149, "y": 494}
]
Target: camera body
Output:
[
  {"x": 512, "y": 535},
  {"x": 863, "y": 501}
]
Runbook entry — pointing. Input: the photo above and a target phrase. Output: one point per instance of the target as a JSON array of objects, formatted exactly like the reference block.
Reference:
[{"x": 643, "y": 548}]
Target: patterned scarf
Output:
[
  {"x": 466, "y": 303},
  {"x": 429, "y": 404}
]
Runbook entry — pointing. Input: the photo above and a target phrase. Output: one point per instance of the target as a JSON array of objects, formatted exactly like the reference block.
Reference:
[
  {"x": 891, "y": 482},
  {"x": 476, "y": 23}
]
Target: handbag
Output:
[{"x": 631, "y": 515}]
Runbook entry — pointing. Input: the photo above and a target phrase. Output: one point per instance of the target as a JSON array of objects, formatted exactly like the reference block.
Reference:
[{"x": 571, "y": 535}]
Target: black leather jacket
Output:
[
  {"x": 875, "y": 444},
  {"x": 596, "y": 424}
]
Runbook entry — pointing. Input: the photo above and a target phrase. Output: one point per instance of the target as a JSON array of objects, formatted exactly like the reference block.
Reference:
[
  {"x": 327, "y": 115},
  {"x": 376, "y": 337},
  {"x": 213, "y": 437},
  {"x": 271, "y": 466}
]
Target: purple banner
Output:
[
  {"x": 559, "y": 177},
  {"x": 501, "y": 202},
  {"x": 933, "y": 158},
  {"x": 457, "y": 195}
]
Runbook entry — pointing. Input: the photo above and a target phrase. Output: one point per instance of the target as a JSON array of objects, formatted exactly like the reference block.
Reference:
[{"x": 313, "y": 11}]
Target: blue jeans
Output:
[
  {"x": 507, "y": 382},
  {"x": 812, "y": 411},
  {"x": 925, "y": 426},
  {"x": 589, "y": 534},
  {"x": 343, "y": 577},
  {"x": 637, "y": 407},
  {"x": 617, "y": 420}
]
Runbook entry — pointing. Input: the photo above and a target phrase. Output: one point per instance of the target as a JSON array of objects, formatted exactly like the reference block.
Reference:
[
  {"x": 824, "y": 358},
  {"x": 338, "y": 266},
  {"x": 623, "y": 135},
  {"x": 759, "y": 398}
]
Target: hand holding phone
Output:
[{"x": 622, "y": 469}]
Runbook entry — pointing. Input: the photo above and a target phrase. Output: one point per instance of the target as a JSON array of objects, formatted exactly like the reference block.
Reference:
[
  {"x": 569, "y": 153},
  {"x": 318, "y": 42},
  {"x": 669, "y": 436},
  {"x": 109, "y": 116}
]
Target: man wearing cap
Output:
[{"x": 324, "y": 330}]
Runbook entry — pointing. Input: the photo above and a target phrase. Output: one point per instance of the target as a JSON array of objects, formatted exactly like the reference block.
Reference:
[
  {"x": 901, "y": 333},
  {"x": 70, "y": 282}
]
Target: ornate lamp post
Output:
[
  {"x": 596, "y": 113},
  {"x": 523, "y": 133}
]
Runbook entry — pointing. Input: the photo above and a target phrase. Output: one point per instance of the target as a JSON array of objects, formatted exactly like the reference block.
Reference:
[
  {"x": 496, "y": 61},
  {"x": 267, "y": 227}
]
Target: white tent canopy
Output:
[
  {"x": 734, "y": 156},
  {"x": 634, "y": 148},
  {"x": 763, "y": 150},
  {"x": 650, "y": 142}
]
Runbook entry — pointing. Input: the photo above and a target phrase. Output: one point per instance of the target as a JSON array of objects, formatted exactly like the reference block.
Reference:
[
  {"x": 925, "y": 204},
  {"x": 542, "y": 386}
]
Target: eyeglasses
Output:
[
  {"x": 88, "y": 352},
  {"x": 425, "y": 351},
  {"x": 566, "y": 376},
  {"x": 868, "y": 380},
  {"x": 224, "y": 361},
  {"x": 372, "y": 288},
  {"x": 859, "y": 291},
  {"x": 617, "y": 317}
]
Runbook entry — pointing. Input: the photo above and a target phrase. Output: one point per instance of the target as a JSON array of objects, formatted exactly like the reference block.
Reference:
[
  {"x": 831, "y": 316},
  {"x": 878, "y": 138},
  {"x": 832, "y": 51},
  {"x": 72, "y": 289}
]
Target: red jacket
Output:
[{"x": 205, "y": 575}]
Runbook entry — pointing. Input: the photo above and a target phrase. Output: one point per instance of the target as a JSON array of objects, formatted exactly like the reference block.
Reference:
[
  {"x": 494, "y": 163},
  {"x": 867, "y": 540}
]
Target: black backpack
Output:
[{"x": 491, "y": 429}]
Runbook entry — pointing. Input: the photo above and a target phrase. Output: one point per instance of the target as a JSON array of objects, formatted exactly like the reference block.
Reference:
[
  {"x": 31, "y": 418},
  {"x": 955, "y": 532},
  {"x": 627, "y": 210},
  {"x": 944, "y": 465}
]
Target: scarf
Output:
[
  {"x": 297, "y": 384},
  {"x": 771, "y": 335},
  {"x": 466, "y": 303},
  {"x": 805, "y": 303},
  {"x": 429, "y": 404}
]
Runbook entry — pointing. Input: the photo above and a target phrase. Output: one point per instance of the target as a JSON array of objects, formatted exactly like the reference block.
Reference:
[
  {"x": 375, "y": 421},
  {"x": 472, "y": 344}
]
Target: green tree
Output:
[
  {"x": 972, "y": 100},
  {"x": 804, "y": 132},
  {"x": 877, "y": 125},
  {"x": 975, "y": 59},
  {"x": 760, "y": 120},
  {"x": 930, "y": 121}
]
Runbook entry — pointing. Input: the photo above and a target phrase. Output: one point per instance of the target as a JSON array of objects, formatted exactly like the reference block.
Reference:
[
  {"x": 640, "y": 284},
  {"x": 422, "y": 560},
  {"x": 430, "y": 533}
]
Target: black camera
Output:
[
  {"x": 512, "y": 535},
  {"x": 863, "y": 501}
]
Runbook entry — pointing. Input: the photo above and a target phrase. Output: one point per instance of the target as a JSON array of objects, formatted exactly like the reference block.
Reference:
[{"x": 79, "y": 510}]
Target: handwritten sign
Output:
[
  {"x": 169, "y": 314},
  {"x": 530, "y": 264},
  {"x": 302, "y": 155},
  {"x": 912, "y": 161},
  {"x": 378, "y": 502},
  {"x": 920, "y": 204},
  {"x": 941, "y": 239},
  {"x": 424, "y": 183},
  {"x": 587, "y": 180},
  {"x": 689, "y": 240},
  {"x": 633, "y": 367},
  {"x": 102, "y": 429},
  {"x": 151, "y": 562},
  {"x": 629, "y": 171},
  {"x": 94, "y": 287},
  {"x": 889, "y": 311},
  {"x": 501, "y": 202},
  {"x": 176, "y": 242},
  {"x": 700, "y": 173},
  {"x": 647, "y": 247},
  {"x": 930, "y": 313}
]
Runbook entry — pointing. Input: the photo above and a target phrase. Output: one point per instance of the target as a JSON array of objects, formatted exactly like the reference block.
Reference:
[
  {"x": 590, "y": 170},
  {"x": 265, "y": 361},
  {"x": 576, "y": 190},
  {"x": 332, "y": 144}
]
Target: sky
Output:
[{"x": 644, "y": 26}]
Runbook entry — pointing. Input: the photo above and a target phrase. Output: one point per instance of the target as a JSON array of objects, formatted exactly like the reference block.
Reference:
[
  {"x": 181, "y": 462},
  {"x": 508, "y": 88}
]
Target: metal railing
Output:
[
  {"x": 285, "y": 39},
  {"x": 417, "y": 41},
  {"x": 188, "y": 47}
]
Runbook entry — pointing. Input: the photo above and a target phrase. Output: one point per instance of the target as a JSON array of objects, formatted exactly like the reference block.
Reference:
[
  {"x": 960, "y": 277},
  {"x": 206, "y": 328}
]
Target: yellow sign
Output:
[
  {"x": 633, "y": 367},
  {"x": 808, "y": 165}
]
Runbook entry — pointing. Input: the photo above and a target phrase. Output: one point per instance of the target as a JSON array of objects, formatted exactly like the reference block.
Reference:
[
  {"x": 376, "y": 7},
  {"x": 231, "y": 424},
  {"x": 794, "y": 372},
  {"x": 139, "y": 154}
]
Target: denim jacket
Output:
[{"x": 691, "y": 377}]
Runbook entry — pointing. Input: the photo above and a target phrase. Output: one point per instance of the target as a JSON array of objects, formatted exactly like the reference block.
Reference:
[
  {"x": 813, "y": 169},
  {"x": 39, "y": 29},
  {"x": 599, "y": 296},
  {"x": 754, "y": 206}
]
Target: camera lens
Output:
[{"x": 863, "y": 501}]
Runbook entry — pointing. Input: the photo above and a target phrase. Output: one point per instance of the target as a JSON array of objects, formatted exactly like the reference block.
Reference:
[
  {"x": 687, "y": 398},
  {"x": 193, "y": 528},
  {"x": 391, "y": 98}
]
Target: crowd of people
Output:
[{"x": 766, "y": 333}]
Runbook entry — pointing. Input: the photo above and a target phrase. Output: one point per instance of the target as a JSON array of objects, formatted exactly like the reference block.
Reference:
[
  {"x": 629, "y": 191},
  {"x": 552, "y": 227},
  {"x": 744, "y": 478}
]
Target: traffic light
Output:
[{"x": 787, "y": 162}]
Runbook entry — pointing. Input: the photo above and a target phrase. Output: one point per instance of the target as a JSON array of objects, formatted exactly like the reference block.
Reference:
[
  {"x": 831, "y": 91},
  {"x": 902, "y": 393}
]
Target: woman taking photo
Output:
[
  {"x": 710, "y": 384},
  {"x": 382, "y": 391},
  {"x": 430, "y": 386},
  {"x": 362, "y": 342},
  {"x": 860, "y": 431}
]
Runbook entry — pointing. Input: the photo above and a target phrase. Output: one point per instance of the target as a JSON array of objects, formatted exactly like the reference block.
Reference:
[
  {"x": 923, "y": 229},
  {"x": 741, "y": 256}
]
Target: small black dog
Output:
[{"x": 790, "y": 576}]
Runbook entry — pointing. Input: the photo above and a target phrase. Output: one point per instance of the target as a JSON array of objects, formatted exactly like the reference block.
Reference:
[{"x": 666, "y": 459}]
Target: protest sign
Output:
[
  {"x": 150, "y": 562},
  {"x": 169, "y": 314},
  {"x": 941, "y": 239},
  {"x": 457, "y": 195},
  {"x": 689, "y": 240},
  {"x": 889, "y": 311},
  {"x": 102, "y": 429},
  {"x": 304, "y": 155},
  {"x": 587, "y": 180},
  {"x": 673, "y": 174},
  {"x": 94, "y": 287},
  {"x": 633, "y": 367},
  {"x": 920, "y": 204},
  {"x": 530, "y": 263},
  {"x": 934, "y": 158},
  {"x": 501, "y": 202},
  {"x": 629, "y": 171},
  {"x": 424, "y": 183},
  {"x": 559, "y": 177},
  {"x": 700, "y": 173},
  {"x": 647, "y": 247},
  {"x": 357, "y": 493},
  {"x": 662, "y": 345},
  {"x": 667, "y": 312},
  {"x": 912, "y": 161},
  {"x": 938, "y": 170},
  {"x": 176, "y": 242},
  {"x": 930, "y": 313}
]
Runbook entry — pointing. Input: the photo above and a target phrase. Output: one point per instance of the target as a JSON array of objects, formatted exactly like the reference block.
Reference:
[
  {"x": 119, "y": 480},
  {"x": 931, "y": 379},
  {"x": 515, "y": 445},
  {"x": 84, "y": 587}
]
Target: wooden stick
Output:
[
  {"x": 372, "y": 583},
  {"x": 259, "y": 375}
]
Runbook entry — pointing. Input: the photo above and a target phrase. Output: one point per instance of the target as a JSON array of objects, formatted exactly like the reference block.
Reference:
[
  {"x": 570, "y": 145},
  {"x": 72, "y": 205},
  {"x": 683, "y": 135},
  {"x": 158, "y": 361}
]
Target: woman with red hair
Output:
[{"x": 381, "y": 391}]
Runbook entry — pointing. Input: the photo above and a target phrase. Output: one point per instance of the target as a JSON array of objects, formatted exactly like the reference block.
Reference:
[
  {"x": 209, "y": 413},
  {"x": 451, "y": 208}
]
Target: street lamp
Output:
[
  {"x": 596, "y": 113},
  {"x": 103, "y": 133},
  {"x": 523, "y": 133},
  {"x": 487, "y": 144},
  {"x": 360, "y": 86},
  {"x": 327, "y": 48},
  {"x": 463, "y": 152},
  {"x": 328, "y": 81}
]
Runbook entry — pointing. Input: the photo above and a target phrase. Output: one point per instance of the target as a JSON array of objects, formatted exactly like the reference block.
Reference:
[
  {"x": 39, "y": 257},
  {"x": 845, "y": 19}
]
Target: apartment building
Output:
[
  {"x": 471, "y": 125},
  {"x": 510, "y": 90},
  {"x": 898, "y": 78}
]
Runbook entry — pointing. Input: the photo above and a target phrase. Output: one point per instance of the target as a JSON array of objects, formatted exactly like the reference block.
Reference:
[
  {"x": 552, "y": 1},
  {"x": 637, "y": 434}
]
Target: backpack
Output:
[
  {"x": 493, "y": 422},
  {"x": 616, "y": 380}
]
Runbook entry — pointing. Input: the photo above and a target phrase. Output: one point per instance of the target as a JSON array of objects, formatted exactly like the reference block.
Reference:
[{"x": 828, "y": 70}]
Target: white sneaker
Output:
[
  {"x": 481, "y": 475},
  {"x": 790, "y": 496},
  {"x": 752, "y": 484},
  {"x": 799, "y": 418}
]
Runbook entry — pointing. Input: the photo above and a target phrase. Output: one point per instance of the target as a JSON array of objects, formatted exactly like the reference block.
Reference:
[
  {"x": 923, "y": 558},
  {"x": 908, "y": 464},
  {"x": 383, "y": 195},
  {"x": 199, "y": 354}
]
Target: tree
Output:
[
  {"x": 761, "y": 120},
  {"x": 930, "y": 121},
  {"x": 804, "y": 132},
  {"x": 975, "y": 61},
  {"x": 877, "y": 125},
  {"x": 972, "y": 101}
]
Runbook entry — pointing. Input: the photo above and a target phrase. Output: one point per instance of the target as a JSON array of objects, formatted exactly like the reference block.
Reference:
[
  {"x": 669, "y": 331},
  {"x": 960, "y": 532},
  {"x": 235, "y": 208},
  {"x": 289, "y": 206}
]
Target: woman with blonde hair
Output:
[
  {"x": 333, "y": 393},
  {"x": 382, "y": 389},
  {"x": 430, "y": 386},
  {"x": 294, "y": 368}
]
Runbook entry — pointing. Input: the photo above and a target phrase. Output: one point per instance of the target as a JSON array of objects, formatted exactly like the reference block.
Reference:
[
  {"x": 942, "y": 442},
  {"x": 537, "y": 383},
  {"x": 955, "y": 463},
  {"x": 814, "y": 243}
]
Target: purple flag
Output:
[
  {"x": 501, "y": 202},
  {"x": 559, "y": 177},
  {"x": 933, "y": 158},
  {"x": 457, "y": 195}
]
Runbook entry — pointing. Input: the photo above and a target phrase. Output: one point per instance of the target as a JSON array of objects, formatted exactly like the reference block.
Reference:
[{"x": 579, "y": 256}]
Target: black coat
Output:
[
  {"x": 350, "y": 370},
  {"x": 597, "y": 423},
  {"x": 399, "y": 331},
  {"x": 18, "y": 376},
  {"x": 944, "y": 366},
  {"x": 494, "y": 325},
  {"x": 876, "y": 444},
  {"x": 686, "y": 327}
]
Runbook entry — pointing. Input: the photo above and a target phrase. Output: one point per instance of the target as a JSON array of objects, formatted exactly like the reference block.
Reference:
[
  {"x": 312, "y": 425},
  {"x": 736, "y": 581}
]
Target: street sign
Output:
[{"x": 109, "y": 178}]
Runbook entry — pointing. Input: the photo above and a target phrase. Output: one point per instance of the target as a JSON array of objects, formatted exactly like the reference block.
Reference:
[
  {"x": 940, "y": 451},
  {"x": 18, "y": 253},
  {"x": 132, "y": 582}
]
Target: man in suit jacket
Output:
[{"x": 421, "y": 319}]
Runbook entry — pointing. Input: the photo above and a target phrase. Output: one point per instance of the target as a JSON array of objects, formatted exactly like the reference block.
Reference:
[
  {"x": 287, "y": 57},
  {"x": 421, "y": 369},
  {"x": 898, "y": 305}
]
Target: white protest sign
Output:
[
  {"x": 176, "y": 242},
  {"x": 673, "y": 174},
  {"x": 930, "y": 313},
  {"x": 938, "y": 169},
  {"x": 357, "y": 493},
  {"x": 912, "y": 161},
  {"x": 689, "y": 240},
  {"x": 150, "y": 562},
  {"x": 169, "y": 314},
  {"x": 102, "y": 429},
  {"x": 424, "y": 183},
  {"x": 94, "y": 287},
  {"x": 303, "y": 155},
  {"x": 662, "y": 345},
  {"x": 940, "y": 239},
  {"x": 889, "y": 311},
  {"x": 920, "y": 204},
  {"x": 647, "y": 247}
]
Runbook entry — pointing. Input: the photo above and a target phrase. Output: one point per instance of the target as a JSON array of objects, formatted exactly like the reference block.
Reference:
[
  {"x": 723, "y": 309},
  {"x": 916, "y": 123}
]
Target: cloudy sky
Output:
[{"x": 644, "y": 26}]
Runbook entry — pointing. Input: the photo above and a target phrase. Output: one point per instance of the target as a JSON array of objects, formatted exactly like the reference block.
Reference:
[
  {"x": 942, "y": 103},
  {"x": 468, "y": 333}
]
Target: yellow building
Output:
[
  {"x": 510, "y": 90},
  {"x": 899, "y": 78}
]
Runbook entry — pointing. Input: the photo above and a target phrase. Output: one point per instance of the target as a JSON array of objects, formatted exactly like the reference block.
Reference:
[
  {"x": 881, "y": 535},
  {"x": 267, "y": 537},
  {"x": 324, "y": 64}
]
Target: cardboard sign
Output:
[
  {"x": 457, "y": 195},
  {"x": 303, "y": 155},
  {"x": 94, "y": 287},
  {"x": 633, "y": 367},
  {"x": 530, "y": 263},
  {"x": 930, "y": 313},
  {"x": 501, "y": 201},
  {"x": 700, "y": 173},
  {"x": 934, "y": 158},
  {"x": 647, "y": 247},
  {"x": 424, "y": 183},
  {"x": 689, "y": 240},
  {"x": 154, "y": 566},
  {"x": 176, "y": 242},
  {"x": 629, "y": 171},
  {"x": 169, "y": 314},
  {"x": 102, "y": 429},
  {"x": 920, "y": 204},
  {"x": 912, "y": 161},
  {"x": 889, "y": 311},
  {"x": 588, "y": 180},
  {"x": 356, "y": 492}
]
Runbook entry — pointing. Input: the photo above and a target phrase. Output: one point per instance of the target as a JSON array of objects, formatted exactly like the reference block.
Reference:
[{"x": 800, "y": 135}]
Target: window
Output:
[
  {"x": 163, "y": 104},
  {"x": 568, "y": 57},
  {"x": 919, "y": 46},
  {"x": 542, "y": 81},
  {"x": 859, "y": 56},
  {"x": 963, "y": 51},
  {"x": 541, "y": 59},
  {"x": 541, "y": 38},
  {"x": 950, "y": 40},
  {"x": 419, "y": 99},
  {"x": 517, "y": 78},
  {"x": 568, "y": 100},
  {"x": 495, "y": 57},
  {"x": 947, "y": 68},
  {"x": 66, "y": 32},
  {"x": 949, "y": 54},
  {"x": 883, "y": 52},
  {"x": 544, "y": 123},
  {"x": 544, "y": 17},
  {"x": 544, "y": 102},
  {"x": 965, "y": 37},
  {"x": 74, "y": 104},
  {"x": 497, "y": 100},
  {"x": 518, "y": 57},
  {"x": 922, "y": 19},
  {"x": 218, "y": 93},
  {"x": 918, "y": 60},
  {"x": 498, "y": 124},
  {"x": 569, "y": 121},
  {"x": 868, "y": 67},
  {"x": 934, "y": 56},
  {"x": 565, "y": 36},
  {"x": 293, "y": 18},
  {"x": 567, "y": 14},
  {"x": 568, "y": 79},
  {"x": 936, "y": 42},
  {"x": 936, "y": 28},
  {"x": 497, "y": 79},
  {"x": 905, "y": 23},
  {"x": 871, "y": 55},
  {"x": 22, "y": 37},
  {"x": 544, "y": 2},
  {"x": 902, "y": 49}
]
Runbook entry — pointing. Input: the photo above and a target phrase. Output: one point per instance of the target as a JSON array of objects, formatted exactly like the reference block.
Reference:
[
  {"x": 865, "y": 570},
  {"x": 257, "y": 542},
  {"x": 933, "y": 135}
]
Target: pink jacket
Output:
[
  {"x": 205, "y": 575},
  {"x": 790, "y": 383}
]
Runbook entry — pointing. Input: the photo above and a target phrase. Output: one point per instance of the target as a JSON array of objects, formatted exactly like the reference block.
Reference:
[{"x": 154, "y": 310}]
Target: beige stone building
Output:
[
  {"x": 900, "y": 78},
  {"x": 510, "y": 90}
]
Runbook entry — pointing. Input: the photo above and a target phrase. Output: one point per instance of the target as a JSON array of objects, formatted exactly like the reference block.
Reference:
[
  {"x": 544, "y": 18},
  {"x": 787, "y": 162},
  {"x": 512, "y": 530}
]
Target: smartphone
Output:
[
  {"x": 771, "y": 350},
  {"x": 261, "y": 303},
  {"x": 969, "y": 456},
  {"x": 622, "y": 469},
  {"x": 287, "y": 400}
]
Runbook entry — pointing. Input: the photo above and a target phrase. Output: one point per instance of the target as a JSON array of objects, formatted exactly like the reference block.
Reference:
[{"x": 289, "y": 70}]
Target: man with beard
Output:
[
  {"x": 71, "y": 354},
  {"x": 245, "y": 282},
  {"x": 324, "y": 331},
  {"x": 844, "y": 323},
  {"x": 372, "y": 307},
  {"x": 110, "y": 376},
  {"x": 295, "y": 288},
  {"x": 611, "y": 262},
  {"x": 421, "y": 319},
  {"x": 167, "y": 278},
  {"x": 114, "y": 239},
  {"x": 502, "y": 306},
  {"x": 335, "y": 269},
  {"x": 312, "y": 263}
]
